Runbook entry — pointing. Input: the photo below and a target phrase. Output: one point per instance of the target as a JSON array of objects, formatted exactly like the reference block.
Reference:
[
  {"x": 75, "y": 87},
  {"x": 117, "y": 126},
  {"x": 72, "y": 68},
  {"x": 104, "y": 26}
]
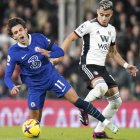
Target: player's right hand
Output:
[
  {"x": 15, "y": 90},
  {"x": 132, "y": 70}
]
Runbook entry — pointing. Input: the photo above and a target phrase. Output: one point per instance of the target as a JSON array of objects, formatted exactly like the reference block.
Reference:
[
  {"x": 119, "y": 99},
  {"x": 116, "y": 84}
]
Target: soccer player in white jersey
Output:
[{"x": 99, "y": 42}]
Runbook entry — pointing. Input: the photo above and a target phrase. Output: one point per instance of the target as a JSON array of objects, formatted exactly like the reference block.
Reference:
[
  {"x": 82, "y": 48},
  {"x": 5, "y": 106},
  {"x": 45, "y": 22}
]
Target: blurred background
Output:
[{"x": 56, "y": 19}]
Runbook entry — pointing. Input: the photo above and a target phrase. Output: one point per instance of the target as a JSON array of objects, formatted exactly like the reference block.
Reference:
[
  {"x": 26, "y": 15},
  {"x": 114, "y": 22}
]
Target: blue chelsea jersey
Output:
[{"x": 34, "y": 66}]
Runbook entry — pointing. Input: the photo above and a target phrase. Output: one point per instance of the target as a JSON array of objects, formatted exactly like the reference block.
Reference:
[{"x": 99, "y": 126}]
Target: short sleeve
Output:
[
  {"x": 83, "y": 29},
  {"x": 114, "y": 36}
]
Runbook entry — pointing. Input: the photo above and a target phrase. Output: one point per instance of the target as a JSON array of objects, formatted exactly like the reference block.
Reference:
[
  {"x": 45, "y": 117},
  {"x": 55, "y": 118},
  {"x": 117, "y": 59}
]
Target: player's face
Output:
[
  {"x": 104, "y": 16},
  {"x": 20, "y": 34}
]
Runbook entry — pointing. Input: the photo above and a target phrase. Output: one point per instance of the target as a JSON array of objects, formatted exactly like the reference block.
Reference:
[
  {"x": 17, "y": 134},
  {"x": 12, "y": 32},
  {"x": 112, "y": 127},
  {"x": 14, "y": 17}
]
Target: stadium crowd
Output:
[{"x": 42, "y": 15}]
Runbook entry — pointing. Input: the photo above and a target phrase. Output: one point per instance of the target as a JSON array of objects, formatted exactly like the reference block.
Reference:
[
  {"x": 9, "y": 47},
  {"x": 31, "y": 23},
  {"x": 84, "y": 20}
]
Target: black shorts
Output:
[{"x": 89, "y": 72}]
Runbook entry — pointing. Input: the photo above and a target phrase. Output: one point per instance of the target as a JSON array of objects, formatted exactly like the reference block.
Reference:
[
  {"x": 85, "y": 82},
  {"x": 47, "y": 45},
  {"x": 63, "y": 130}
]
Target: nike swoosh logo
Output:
[
  {"x": 24, "y": 56},
  {"x": 63, "y": 89}
]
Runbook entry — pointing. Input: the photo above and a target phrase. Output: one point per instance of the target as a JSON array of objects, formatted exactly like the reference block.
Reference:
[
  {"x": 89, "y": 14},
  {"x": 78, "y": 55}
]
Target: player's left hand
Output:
[
  {"x": 44, "y": 52},
  {"x": 56, "y": 61},
  {"x": 132, "y": 70},
  {"x": 15, "y": 90}
]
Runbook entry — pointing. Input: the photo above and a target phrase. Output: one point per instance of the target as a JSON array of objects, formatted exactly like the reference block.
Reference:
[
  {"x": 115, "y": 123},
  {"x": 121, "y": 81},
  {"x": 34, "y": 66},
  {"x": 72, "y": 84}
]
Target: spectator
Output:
[{"x": 136, "y": 96}]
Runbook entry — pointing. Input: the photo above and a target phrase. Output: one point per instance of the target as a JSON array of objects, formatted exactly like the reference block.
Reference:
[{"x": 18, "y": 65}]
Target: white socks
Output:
[
  {"x": 109, "y": 111},
  {"x": 112, "y": 107}
]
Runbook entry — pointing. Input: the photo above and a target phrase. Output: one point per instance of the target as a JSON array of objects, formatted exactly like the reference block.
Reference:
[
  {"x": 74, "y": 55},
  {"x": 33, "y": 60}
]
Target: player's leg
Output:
[
  {"x": 114, "y": 102},
  {"x": 99, "y": 88},
  {"x": 63, "y": 88},
  {"x": 35, "y": 114},
  {"x": 36, "y": 100},
  {"x": 97, "y": 85},
  {"x": 72, "y": 96}
]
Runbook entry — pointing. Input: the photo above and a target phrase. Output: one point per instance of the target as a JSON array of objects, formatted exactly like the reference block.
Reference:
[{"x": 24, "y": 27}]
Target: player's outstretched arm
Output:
[
  {"x": 132, "y": 69},
  {"x": 54, "y": 52},
  {"x": 68, "y": 41},
  {"x": 113, "y": 53},
  {"x": 66, "y": 46}
]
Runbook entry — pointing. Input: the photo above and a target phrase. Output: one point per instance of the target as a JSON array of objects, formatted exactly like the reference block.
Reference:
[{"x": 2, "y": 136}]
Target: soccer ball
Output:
[{"x": 31, "y": 128}]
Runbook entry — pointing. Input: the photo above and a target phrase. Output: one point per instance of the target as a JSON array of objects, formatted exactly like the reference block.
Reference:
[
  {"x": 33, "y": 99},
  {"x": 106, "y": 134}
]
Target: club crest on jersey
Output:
[
  {"x": 36, "y": 48},
  {"x": 97, "y": 32},
  {"x": 109, "y": 33}
]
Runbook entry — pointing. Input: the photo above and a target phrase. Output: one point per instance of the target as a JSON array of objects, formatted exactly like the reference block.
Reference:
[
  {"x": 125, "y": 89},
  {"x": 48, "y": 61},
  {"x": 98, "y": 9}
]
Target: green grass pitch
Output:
[{"x": 52, "y": 133}]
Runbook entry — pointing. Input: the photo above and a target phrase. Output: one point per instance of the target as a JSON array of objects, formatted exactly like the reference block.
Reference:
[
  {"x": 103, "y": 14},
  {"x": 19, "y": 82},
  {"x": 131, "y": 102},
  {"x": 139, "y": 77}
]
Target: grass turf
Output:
[{"x": 52, "y": 133}]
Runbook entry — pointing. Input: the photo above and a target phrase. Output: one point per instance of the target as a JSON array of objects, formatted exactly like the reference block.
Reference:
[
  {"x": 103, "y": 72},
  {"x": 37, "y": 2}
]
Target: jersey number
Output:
[{"x": 60, "y": 85}]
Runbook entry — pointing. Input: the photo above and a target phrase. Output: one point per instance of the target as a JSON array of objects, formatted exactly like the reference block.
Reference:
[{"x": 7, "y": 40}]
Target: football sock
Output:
[
  {"x": 89, "y": 109},
  {"x": 109, "y": 111}
]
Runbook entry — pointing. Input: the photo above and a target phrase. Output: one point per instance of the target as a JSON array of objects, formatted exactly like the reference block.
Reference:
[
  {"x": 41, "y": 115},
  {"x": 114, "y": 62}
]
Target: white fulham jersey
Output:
[{"x": 97, "y": 40}]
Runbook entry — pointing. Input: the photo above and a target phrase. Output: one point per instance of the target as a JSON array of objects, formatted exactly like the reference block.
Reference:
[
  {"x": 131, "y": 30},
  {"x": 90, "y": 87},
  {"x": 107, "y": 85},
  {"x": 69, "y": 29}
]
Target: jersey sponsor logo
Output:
[
  {"x": 35, "y": 62},
  {"x": 24, "y": 56},
  {"x": 104, "y": 38},
  {"x": 104, "y": 46}
]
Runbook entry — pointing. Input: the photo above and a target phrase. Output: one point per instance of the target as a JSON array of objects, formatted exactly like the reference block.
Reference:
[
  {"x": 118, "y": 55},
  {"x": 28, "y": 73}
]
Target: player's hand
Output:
[
  {"x": 132, "y": 69},
  {"x": 15, "y": 90},
  {"x": 44, "y": 52},
  {"x": 55, "y": 61}
]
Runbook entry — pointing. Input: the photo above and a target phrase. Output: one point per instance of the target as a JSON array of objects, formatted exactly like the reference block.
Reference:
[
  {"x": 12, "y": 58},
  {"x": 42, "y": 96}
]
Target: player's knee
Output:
[
  {"x": 118, "y": 102},
  {"x": 102, "y": 88},
  {"x": 115, "y": 104}
]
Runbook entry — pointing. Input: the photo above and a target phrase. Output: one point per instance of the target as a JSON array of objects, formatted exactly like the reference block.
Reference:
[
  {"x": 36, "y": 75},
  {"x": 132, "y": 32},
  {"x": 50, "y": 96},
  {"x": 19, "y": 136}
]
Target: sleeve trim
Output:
[
  {"x": 77, "y": 34},
  {"x": 112, "y": 43},
  {"x": 50, "y": 45}
]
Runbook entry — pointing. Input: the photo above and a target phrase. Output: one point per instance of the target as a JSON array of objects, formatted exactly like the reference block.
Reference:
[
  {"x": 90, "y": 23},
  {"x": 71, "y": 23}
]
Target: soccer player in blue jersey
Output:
[{"x": 32, "y": 53}]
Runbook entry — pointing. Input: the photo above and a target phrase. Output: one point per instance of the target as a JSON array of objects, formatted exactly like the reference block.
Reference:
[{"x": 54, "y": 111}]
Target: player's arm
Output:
[
  {"x": 113, "y": 53},
  {"x": 79, "y": 32},
  {"x": 66, "y": 46},
  {"x": 68, "y": 41},
  {"x": 50, "y": 49},
  {"x": 14, "y": 89},
  {"x": 54, "y": 52}
]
